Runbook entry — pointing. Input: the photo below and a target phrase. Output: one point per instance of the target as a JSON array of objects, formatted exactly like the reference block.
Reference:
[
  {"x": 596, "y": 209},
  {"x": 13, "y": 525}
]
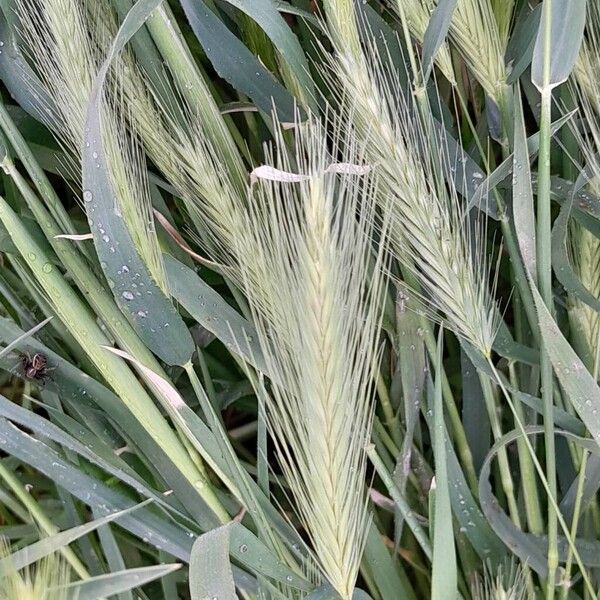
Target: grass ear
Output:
[
  {"x": 429, "y": 229},
  {"x": 314, "y": 283}
]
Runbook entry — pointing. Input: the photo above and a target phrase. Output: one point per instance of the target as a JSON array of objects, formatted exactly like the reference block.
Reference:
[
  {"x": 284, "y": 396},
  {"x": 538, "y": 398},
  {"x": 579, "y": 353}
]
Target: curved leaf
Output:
[
  {"x": 213, "y": 313},
  {"x": 560, "y": 258},
  {"x": 576, "y": 380},
  {"x": 150, "y": 312},
  {"x": 530, "y": 549}
]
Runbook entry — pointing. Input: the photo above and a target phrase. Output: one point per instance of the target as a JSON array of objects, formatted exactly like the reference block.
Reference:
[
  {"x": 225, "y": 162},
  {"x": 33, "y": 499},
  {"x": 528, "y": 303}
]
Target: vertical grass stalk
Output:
[{"x": 544, "y": 281}]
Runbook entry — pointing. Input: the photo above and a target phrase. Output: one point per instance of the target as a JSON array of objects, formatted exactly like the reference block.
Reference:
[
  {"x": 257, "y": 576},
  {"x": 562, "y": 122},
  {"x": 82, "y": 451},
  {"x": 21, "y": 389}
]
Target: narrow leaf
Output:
[
  {"x": 103, "y": 586},
  {"x": 213, "y": 313},
  {"x": 150, "y": 312},
  {"x": 522, "y": 206},
  {"x": 266, "y": 14},
  {"x": 27, "y": 556},
  {"x": 443, "y": 579},
  {"x": 436, "y": 33},
  {"x": 578, "y": 383}
]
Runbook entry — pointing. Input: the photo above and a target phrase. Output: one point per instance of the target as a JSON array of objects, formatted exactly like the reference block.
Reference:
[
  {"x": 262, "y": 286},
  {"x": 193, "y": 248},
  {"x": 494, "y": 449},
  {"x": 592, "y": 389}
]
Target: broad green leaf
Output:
[
  {"x": 444, "y": 569},
  {"x": 236, "y": 64},
  {"x": 390, "y": 578},
  {"x": 563, "y": 21},
  {"x": 520, "y": 47},
  {"x": 290, "y": 9},
  {"x": 326, "y": 592},
  {"x": 474, "y": 415},
  {"x": 103, "y": 586},
  {"x": 436, "y": 33},
  {"x": 27, "y": 556},
  {"x": 213, "y": 313},
  {"x": 150, "y": 312},
  {"x": 323, "y": 592},
  {"x": 210, "y": 569},
  {"x": 576, "y": 380}
]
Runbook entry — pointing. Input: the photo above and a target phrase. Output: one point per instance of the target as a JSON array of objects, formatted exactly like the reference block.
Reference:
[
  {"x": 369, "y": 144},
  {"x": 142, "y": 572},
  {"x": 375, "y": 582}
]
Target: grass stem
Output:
[{"x": 401, "y": 503}]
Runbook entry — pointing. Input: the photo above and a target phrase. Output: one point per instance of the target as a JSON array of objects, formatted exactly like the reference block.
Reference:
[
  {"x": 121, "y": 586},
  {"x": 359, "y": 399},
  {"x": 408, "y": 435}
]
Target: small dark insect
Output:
[{"x": 35, "y": 367}]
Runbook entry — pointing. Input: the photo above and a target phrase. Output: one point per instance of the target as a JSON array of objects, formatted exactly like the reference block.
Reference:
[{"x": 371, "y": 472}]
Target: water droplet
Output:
[
  {"x": 47, "y": 268},
  {"x": 127, "y": 295},
  {"x": 87, "y": 196},
  {"x": 243, "y": 548}
]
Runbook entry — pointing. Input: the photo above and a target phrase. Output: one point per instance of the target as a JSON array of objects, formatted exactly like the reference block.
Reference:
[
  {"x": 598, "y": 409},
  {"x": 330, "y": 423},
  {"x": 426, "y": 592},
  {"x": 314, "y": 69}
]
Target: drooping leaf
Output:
[
  {"x": 20, "y": 79},
  {"x": 150, "y": 312}
]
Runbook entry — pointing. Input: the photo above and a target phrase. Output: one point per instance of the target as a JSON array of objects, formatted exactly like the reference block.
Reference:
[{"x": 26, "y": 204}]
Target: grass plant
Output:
[{"x": 336, "y": 331}]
